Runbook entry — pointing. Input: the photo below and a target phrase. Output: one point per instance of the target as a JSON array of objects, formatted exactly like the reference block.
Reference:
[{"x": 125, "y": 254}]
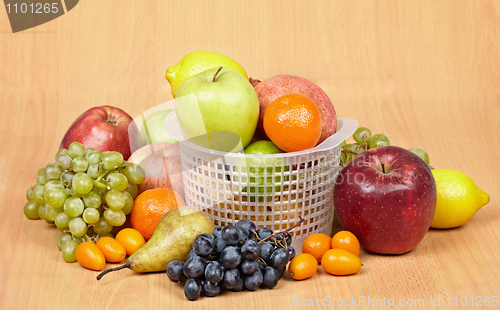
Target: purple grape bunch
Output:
[{"x": 234, "y": 258}]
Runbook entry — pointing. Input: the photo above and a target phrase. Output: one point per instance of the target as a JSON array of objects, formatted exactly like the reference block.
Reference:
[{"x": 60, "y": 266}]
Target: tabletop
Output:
[{"x": 425, "y": 73}]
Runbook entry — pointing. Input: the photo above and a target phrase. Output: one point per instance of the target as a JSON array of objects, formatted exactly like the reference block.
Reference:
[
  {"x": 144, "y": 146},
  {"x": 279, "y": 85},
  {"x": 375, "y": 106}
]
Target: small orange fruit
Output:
[
  {"x": 131, "y": 239},
  {"x": 149, "y": 208},
  {"x": 316, "y": 245},
  {"x": 346, "y": 240},
  {"x": 303, "y": 266},
  {"x": 293, "y": 123},
  {"x": 90, "y": 256},
  {"x": 340, "y": 262},
  {"x": 114, "y": 251}
]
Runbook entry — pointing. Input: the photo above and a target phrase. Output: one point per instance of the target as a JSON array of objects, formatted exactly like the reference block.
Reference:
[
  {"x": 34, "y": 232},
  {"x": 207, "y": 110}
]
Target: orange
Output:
[
  {"x": 346, "y": 240},
  {"x": 90, "y": 256},
  {"x": 293, "y": 123},
  {"x": 340, "y": 262},
  {"x": 114, "y": 251},
  {"x": 149, "y": 208},
  {"x": 316, "y": 245},
  {"x": 131, "y": 239},
  {"x": 303, "y": 266}
]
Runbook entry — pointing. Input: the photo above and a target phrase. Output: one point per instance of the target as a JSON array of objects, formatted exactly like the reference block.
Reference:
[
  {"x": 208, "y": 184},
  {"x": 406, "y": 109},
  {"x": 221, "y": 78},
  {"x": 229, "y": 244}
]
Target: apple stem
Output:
[
  {"x": 215, "y": 76},
  {"x": 383, "y": 166},
  {"x": 284, "y": 231}
]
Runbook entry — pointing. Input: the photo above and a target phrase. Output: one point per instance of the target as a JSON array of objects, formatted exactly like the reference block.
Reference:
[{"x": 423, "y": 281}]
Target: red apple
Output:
[
  {"x": 280, "y": 85},
  {"x": 103, "y": 128},
  {"x": 386, "y": 196},
  {"x": 162, "y": 164}
]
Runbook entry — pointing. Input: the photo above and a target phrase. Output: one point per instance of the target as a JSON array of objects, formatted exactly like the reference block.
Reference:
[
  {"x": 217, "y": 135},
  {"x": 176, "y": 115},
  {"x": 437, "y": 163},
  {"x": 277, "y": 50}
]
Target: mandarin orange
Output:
[
  {"x": 149, "y": 208},
  {"x": 293, "y": 123}
]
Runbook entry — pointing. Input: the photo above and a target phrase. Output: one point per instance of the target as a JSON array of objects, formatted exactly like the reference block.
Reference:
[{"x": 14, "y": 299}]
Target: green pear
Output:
[{"x": 172, "y": 240}]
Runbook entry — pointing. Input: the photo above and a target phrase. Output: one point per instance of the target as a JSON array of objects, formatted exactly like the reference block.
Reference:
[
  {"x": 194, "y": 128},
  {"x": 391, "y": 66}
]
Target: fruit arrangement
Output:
[
  {"x": 234, "y": 257},
  {"x": 220, "y": 109},
  {"x": 94, "y": 185}
]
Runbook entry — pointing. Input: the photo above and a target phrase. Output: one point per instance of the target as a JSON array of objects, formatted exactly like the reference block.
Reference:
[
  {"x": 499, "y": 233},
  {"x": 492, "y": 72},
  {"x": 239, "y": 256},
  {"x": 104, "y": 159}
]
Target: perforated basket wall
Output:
[
  {"x": 234, "y": 186},
  {"x": 306, "y": 191}
]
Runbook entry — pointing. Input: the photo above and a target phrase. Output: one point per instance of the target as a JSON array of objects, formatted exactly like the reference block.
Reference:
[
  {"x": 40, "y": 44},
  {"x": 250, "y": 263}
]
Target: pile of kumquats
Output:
[{"x": 338, "y": 255}]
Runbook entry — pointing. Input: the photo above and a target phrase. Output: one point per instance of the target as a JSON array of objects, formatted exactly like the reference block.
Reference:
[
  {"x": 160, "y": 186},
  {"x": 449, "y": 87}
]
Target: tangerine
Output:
[
  {"x": 293, "y": 123},
  {"x": 340, "y": 262},
  {"x": 149, "y": 208},
  {"x": 131, "y": 239},
  {"x": 303, "y": 266},
  {"x": 346, "y": 240},
  {"x": 316, "y": 245},
  {"x": 90, "y": 256},
  {"x": 114, "y": 251}
]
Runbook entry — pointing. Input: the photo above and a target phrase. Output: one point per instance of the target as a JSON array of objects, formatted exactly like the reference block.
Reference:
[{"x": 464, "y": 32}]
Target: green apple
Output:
[
  {"x": 152, "y": 129},
  {"x": 262, "y": 180},
  {"x": 215, "y": 106}
]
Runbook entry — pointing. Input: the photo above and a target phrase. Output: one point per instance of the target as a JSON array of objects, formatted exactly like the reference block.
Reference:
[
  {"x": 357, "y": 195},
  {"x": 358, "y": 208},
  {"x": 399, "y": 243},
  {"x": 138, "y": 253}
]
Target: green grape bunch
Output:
[
  {"x": 364, "y": 140},
  {"x": 84, "y": 193}
]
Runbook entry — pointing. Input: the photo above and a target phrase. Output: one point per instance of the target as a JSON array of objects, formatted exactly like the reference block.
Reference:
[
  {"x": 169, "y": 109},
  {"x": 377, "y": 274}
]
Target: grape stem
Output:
[
  {"x": 360, "y": 147},
  {"x": 98, "y": 184},
  {"x": 102, "y": 274},
  {"x": 301, "y": 220},
  {"x": 99, "y": 178}
]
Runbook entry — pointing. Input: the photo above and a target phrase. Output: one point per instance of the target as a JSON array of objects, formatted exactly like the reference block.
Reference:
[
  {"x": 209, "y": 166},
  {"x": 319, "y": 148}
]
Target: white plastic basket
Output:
[{"x": 230, "y": 186}]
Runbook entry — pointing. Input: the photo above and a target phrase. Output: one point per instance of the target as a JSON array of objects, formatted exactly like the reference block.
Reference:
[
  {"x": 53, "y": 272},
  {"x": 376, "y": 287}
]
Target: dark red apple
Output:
[
  {"x": 102, "y": 128},
  {"x": 162, "y": 164},
  {"x": 386, "y": 197}
]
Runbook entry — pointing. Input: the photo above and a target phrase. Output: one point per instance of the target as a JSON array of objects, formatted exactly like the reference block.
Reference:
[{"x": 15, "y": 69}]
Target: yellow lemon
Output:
[
  {"x": 458, "y": 198},
  {"x": 196, "y": 62}
]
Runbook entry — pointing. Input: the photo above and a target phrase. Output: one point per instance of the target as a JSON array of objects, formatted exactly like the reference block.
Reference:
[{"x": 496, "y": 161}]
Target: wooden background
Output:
[{"x": 426, "y": 73}]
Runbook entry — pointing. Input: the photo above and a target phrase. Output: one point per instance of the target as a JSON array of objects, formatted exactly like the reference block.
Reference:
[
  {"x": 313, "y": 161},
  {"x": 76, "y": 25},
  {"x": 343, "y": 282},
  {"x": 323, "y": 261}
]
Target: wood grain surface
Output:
[{"x": 426, "y": 73}]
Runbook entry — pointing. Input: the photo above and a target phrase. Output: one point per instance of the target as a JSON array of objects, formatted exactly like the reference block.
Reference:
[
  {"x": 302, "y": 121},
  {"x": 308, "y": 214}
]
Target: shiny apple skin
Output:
[
  {"x": 390, "y": 212},
  {"x": 104, "y": 128}
]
